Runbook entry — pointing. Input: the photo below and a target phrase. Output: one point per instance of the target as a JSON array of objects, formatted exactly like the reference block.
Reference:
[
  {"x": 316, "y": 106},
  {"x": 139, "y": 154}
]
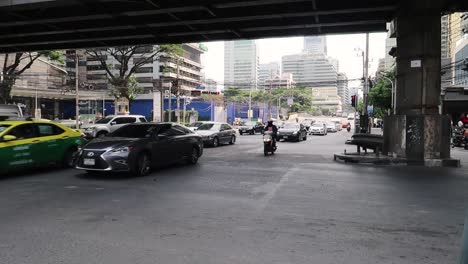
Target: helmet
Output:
[{"x": 460, "y": 123}]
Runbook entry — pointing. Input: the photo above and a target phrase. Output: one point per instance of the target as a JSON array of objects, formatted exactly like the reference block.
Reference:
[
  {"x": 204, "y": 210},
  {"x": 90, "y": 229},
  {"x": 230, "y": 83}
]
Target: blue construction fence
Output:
[{"x": 205, "y": 109}]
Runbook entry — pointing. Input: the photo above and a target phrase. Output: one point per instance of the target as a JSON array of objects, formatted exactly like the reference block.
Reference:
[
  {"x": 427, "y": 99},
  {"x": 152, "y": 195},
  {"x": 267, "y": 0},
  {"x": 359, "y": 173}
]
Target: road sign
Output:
[
  {"x": 290, "y": 101},
  {"x": 370, "y": 109}
]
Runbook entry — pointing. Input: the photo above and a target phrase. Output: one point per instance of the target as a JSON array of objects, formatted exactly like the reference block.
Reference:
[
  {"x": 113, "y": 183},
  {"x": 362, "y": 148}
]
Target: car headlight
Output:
[
  {"x": 121, "y": 150},
  {"x": 295, "y": 133}
]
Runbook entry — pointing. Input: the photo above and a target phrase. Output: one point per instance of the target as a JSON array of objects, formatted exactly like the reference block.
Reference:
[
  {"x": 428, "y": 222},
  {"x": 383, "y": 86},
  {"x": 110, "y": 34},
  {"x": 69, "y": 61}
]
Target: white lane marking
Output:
[{"x": 271, "y": 188}]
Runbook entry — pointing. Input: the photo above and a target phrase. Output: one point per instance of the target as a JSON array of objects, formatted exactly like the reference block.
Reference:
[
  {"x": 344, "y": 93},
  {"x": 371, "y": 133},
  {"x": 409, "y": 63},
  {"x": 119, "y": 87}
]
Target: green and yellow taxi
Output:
[{"x": 28, "y": 143}]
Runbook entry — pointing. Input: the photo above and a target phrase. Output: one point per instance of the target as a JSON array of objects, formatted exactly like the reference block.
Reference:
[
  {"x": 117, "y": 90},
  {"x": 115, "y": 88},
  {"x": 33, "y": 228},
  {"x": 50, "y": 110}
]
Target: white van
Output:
[{"x": 7, "y": 111}]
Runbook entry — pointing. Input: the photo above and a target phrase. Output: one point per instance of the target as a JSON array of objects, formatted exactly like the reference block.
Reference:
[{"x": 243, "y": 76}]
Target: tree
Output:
[
  {"x": 380, "y": 96},
  {"x": 122, "y": 78},
  {"x": 15, "y": 64}
]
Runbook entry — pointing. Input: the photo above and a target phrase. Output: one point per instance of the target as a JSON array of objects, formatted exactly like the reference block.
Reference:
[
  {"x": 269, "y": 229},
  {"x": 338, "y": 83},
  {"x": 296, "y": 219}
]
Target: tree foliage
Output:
[
  {"x": 130, "y": 60},
  {"x": 380, "y": 96},
  {"x": 302, "y": 97},
  {"x": 13, "y": 65}
]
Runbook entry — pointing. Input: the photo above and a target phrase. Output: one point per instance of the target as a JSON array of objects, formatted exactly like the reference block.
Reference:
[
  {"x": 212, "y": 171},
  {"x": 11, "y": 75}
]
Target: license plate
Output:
[
  {"x": 285, "y": 137},
  {"x": 89, "y": 162},
  {"x": 244, "y": 130}
]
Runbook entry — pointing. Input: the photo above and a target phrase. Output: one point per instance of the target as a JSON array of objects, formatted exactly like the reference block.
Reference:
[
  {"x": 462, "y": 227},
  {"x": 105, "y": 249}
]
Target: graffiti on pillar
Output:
[{"x": 414, "y": 132}]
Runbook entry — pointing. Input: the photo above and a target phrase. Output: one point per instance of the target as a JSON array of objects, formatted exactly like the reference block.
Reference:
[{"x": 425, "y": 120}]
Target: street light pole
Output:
[
  {"x": 393, "y": 93},
  {"x": 77, "y": 98},
  {"x": 249, "y": 114}
]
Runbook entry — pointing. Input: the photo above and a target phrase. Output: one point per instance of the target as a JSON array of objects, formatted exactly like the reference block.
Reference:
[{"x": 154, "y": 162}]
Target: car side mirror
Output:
[
  {"x": 113, "y": 123},
  {"x": 8, "y": 138}
]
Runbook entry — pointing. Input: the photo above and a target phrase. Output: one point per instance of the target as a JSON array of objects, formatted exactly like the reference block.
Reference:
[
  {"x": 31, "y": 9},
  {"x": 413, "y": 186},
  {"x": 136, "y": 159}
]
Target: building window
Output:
[
  {"x": 144, "y": 79},
  {"x": 144, "y": 70}
]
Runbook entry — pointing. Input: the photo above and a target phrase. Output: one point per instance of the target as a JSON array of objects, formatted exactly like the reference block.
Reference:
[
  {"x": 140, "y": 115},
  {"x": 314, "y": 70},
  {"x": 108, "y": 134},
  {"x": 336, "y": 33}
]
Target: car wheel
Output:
[
  {"x": 193, "y": 159},
  {"x": 101, "y": 134},
  {"x": 233, "y": 140},
  {"x": 241, "y": 133},
  {"x": 70, "y": 157},
  {"x": 298, "y": 138},
  {"x": 215, "y": 142},
  {"x": 143, "y": 165},
  {"x": 305, "y": 137},
  {"x": 252, "y": 132}
]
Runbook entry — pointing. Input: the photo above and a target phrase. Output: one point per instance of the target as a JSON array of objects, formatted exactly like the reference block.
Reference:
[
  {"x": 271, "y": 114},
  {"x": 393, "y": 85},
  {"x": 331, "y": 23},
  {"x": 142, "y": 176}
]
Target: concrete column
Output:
[
  {"x": 418, "y": 57},
  {"x": 418, "y": 133}
]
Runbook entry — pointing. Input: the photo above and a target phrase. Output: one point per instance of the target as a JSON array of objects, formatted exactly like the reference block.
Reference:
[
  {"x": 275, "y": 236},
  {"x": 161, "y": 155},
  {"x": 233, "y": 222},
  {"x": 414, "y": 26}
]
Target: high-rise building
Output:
[
  {"x": 390, "y": 43},
  {"x": 461, "y": 54},
  {"x": 445, "y": 37},
  {"x": 241, "y": 64},
  {"x": 186, "y": 68},
  {"x": 285, "y": 80},
  {"x": 343, "y": 90},
  {"x": 310, "y": 69},
  {"x": 315, "y": 44},
  {"x": 211, "y": 85},
  {"x": 267, "y": 71}
]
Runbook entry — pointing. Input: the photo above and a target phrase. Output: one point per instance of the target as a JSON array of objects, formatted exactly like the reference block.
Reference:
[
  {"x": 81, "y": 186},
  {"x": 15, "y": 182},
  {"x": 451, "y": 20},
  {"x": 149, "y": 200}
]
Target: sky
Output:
[{"x": 341, "y": 47}]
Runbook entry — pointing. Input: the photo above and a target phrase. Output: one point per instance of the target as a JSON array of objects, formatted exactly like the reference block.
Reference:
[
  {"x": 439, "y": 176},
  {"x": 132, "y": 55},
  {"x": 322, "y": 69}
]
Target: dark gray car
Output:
[
  {"x": 137, "y": 148},
  {"x": 292, "y": 132},
  {"x": 216, "y": 133}
]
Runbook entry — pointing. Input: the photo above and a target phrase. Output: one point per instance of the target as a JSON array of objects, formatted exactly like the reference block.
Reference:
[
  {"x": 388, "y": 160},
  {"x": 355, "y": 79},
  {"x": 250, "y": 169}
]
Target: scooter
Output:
[
  {"x": 459, "y": 137},
  {"x": 268, "y": 141}
]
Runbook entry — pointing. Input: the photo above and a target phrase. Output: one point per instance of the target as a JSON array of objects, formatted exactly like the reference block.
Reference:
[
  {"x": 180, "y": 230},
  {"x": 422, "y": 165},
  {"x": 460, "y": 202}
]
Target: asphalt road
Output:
[{"x": 238, "y": 206}]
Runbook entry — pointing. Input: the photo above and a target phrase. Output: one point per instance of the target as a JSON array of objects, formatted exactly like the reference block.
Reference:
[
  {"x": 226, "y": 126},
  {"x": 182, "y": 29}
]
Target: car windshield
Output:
[
  {"x": 104, "y": 120},
  {"x": 134, "y": 131},
  {"x": 290, "y": 126},
  {"x": 209, "y": 127},
  {"x": 196, "y": 124},
  {"x": 3, "y": 128},
  {"x": 317, "y": 125}
]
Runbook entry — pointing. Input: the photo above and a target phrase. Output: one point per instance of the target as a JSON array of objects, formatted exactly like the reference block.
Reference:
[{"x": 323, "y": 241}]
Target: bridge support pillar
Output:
[{"x": 418, "y": 132}]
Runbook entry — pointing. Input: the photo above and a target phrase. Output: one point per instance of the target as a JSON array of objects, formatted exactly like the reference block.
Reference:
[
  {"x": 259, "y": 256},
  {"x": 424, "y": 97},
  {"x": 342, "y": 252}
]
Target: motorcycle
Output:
[
  {"x": 268, "y": 143},
  {"x": 460, "y": 137}
]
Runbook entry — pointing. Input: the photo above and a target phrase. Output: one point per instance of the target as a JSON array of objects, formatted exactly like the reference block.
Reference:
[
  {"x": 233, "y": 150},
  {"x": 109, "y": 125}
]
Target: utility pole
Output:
[
  {"x": 249, "y": 114},
  {"x": 169, "y": 115},
  {"x": 77, "y": 98},
  {"x": 178, "y": 92},
  {"x": 364, "y": 119}
]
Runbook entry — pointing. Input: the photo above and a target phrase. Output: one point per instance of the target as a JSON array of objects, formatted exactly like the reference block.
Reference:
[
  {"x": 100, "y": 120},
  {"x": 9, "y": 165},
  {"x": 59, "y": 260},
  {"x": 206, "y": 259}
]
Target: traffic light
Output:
[{"x": 353, "y": 101}]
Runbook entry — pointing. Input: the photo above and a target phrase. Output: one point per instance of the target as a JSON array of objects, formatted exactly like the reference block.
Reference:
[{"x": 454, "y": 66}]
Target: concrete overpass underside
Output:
[
  {"x": 417, "y": 132},
  {"x": 61, "y": 24}
]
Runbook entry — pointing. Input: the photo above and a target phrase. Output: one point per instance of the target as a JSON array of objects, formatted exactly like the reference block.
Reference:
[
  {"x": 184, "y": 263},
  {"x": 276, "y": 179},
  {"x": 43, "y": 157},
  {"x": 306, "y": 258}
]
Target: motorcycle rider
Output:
[
  {"x": 348, "y": 127},
  {"x": 274, "y": 130}
]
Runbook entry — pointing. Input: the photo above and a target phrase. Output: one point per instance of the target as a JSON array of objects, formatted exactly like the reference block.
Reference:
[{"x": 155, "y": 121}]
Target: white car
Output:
[
  {"x": 331, "y": 127},
  {"x": 318, "y": 129},
  {"x": 109, "y": 124}
]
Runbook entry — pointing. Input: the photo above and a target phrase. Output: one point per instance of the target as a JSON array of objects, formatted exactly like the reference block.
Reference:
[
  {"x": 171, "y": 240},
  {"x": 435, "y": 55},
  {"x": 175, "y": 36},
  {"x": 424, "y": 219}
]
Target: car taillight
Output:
[{"x": 131, "y": 148}]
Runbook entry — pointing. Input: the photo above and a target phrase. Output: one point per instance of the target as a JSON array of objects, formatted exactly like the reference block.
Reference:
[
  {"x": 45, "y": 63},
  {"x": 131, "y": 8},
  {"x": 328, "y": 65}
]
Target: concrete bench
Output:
[{"x": 366, "y": 141}]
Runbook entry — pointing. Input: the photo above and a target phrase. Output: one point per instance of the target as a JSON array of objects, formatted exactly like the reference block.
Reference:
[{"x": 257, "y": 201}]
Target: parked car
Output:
[
  {"x": 215, "y": 133},
  {"x": 140, "y": 147},
  {"x": 195, "y": 125},
  {"x": 250, "y": 127},
  {"x": 292, "y": 131},
  {"x": 30, "y": 143},
  {"x": 7, "y": 111},
  {"x": 318, "y": 129},
  {"x": 110, "y": 124},
  {"x": 331, "y": 127}
]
